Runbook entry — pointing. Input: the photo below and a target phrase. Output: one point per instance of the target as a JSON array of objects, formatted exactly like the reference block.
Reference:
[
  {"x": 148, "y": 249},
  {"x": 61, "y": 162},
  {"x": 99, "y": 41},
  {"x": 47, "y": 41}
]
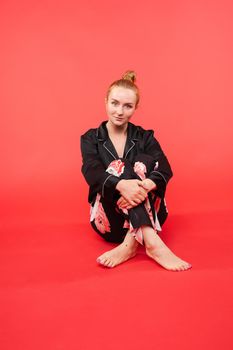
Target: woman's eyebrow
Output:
[{"x": 127, "y": 103}]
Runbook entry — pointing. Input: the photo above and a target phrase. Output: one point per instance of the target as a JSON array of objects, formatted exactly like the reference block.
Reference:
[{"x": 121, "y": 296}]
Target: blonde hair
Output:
[{"x": 128, "y": 82}]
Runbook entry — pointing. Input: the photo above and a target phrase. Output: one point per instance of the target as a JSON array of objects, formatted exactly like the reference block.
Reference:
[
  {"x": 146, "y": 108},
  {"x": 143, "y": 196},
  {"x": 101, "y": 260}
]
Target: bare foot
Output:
[
  {"x": 157, "y": 250},
  {"x": 121, "y": 253}
]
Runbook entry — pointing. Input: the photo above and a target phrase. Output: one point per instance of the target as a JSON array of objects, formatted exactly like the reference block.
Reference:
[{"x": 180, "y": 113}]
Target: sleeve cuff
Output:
[
  {"x": 160, "y": 184},
  {"x": 109, "y": 187}
]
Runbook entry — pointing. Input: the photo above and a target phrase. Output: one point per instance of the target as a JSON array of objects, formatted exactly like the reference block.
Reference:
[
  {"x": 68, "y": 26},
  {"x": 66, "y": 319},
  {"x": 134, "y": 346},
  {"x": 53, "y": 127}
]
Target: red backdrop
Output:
[{"x": 57, "y": 60}]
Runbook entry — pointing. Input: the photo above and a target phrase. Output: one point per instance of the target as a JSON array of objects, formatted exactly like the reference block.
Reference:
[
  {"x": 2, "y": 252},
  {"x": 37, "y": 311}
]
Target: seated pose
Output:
[{"x": 127, "y": 172}]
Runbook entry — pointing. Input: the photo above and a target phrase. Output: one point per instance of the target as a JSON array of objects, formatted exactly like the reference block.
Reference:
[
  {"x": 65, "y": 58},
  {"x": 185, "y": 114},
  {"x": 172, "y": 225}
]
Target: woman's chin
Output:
[{"x": 119, "y": 122}]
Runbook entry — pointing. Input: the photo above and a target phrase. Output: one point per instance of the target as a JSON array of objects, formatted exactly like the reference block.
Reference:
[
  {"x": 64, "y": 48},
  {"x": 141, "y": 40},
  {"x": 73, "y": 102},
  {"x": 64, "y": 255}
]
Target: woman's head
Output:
[
  {"x": 122, "y": 99},
  {"x": 128, "y": 82}
]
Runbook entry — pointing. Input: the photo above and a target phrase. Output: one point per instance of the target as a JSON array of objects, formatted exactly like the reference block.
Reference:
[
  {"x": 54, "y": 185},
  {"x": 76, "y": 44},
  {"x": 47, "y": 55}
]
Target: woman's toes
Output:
[
  {"x": 178, "y": 268},
  {"x": 98, "y": 260},
  {"x": 108, "y": 263},
  {"x": 183, "y": 268},
  {"x": 186, "y": 266},
  {"x": 102, "y": 260},
  {"x": 112, "y": 264}
]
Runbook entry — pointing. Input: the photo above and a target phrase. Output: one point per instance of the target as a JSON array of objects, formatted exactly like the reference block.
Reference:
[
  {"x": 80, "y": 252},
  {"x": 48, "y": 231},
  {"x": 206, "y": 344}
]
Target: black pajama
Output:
[
  {"x": 103, "y": 169},
  {"x": 138, "y": 216}
]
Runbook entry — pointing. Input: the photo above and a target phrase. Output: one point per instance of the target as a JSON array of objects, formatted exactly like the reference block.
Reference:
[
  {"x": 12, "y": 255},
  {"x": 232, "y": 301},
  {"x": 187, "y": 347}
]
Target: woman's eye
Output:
[
  {"x": 114, "y": 103},
  {"x": 129, "y": 106}
]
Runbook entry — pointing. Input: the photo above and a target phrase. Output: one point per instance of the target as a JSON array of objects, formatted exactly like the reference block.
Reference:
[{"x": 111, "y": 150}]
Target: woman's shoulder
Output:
[
  {"x": 99, "y": 132},
  {"x": 89, "y": 132},
  {"x": 141, "y": 131}
]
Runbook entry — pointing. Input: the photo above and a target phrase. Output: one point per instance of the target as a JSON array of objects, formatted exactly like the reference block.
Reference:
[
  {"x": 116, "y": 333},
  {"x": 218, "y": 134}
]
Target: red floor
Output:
[{"x": 54, "y": 295}]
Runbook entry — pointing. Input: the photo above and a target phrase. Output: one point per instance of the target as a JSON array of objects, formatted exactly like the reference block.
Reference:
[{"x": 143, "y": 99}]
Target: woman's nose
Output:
[{"x": 120, "y": 110}]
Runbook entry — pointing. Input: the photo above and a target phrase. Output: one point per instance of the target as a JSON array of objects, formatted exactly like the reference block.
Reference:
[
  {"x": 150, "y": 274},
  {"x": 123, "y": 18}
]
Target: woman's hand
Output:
[
  {"x": 132, "y": 191},
  {"x": 124, "y": 204},
  {"x": 148, "y": 185}
]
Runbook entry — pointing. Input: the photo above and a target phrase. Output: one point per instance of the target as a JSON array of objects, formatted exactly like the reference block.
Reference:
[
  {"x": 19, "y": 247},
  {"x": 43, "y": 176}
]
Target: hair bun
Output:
[{"x": 129, "y": 75}]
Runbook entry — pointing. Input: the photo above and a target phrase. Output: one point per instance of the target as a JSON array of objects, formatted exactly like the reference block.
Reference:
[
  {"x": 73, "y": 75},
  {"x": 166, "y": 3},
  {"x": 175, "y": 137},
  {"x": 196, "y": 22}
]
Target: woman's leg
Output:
[
  {"x": 107, "y": 219},
  {"x": 158, "y": 251},
  {"x": 155, "y": 249}
]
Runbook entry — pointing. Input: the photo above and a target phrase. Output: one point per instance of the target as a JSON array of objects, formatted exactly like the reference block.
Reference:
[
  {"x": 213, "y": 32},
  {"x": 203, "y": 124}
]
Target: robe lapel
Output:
[
  {"x": 110, "y": 148},
  {"x": 130, "y": 142},
  {"x": 102, "y": 135}
]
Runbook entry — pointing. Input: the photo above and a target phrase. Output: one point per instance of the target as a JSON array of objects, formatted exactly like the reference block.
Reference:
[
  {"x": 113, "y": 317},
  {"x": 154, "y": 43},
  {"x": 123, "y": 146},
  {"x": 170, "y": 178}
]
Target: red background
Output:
[{"x": 57, "y": 61}]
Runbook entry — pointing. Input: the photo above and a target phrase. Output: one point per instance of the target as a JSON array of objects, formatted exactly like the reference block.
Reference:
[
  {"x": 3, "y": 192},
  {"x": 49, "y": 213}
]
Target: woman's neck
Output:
[{"x": 113, "y": 129}]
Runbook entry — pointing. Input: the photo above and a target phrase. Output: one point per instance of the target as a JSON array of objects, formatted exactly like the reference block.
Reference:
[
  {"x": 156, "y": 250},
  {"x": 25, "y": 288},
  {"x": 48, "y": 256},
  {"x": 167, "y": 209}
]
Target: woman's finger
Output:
[
  {"x": 143, "y": 191},
  {"x": 124, "y": 205},
  {"x": 142, "y": 197},
  {"x": 120, "y": 202},
  {"x": 137, "y": 200}
]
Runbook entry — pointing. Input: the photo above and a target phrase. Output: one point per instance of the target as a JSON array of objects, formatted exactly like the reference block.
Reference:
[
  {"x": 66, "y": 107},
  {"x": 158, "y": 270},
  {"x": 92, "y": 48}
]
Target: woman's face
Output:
[{"x": 120, "y": 105}]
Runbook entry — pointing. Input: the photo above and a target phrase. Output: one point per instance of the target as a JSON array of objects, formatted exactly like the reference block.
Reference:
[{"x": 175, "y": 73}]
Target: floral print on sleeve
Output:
[
  {"x": 116, "y": 167},
  {"x": 140, "y": 169}
]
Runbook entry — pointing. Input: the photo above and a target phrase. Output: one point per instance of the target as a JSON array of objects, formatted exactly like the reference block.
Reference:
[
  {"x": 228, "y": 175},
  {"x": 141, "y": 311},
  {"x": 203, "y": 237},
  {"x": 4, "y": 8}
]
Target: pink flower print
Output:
[
  {"x": 140, "y": 169},
  {"x": 99, "y": 216},
  {"x": 136, "y": 233},
  {"x": 116, "y": 167},
  {"x": 101, "y": 220},
  {"x": 126, "y": 224},
  {"x": 155, "y": 223}
]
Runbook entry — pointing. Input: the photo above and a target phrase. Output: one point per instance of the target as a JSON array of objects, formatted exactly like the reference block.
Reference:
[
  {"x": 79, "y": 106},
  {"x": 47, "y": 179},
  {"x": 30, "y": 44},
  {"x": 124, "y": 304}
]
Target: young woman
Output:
[{"x": 127, "y": 172}]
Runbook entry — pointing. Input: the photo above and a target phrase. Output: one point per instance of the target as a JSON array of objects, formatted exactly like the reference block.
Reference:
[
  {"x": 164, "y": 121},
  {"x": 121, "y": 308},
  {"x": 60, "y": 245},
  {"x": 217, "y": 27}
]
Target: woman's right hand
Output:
[{"x": 132, "y": 191}]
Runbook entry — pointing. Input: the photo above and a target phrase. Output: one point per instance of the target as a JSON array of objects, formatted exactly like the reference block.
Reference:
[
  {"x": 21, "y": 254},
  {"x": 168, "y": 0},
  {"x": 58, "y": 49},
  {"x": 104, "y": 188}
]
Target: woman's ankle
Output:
[
  {"x": 151, "y": 239},
  {"x": 130, "y": 241}
]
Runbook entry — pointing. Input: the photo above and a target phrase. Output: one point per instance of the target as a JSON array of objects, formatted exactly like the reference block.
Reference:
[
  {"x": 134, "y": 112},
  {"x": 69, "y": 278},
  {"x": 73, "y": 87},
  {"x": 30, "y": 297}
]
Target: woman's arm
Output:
[
  {"x": 147, "y": 184},
  {"x": 93, "y": 169},
  {"x": 132, "y": 192},
  {"x": 161, "y": 173}
]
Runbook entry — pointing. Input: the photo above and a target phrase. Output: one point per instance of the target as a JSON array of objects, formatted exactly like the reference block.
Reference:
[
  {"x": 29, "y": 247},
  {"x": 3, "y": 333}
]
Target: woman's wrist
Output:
[
  {"x": 149, "y": 185},
  {"x": 120, "y": 185}
]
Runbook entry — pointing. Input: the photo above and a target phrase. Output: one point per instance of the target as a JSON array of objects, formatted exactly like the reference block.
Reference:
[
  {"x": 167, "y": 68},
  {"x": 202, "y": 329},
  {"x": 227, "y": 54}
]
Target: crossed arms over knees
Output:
[{"x": 133, "y": 192}]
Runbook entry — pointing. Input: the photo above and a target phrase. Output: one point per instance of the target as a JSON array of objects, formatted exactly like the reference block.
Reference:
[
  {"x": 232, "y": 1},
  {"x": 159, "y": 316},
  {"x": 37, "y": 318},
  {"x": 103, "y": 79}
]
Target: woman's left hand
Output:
[{"x": 124, "y": 204}]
